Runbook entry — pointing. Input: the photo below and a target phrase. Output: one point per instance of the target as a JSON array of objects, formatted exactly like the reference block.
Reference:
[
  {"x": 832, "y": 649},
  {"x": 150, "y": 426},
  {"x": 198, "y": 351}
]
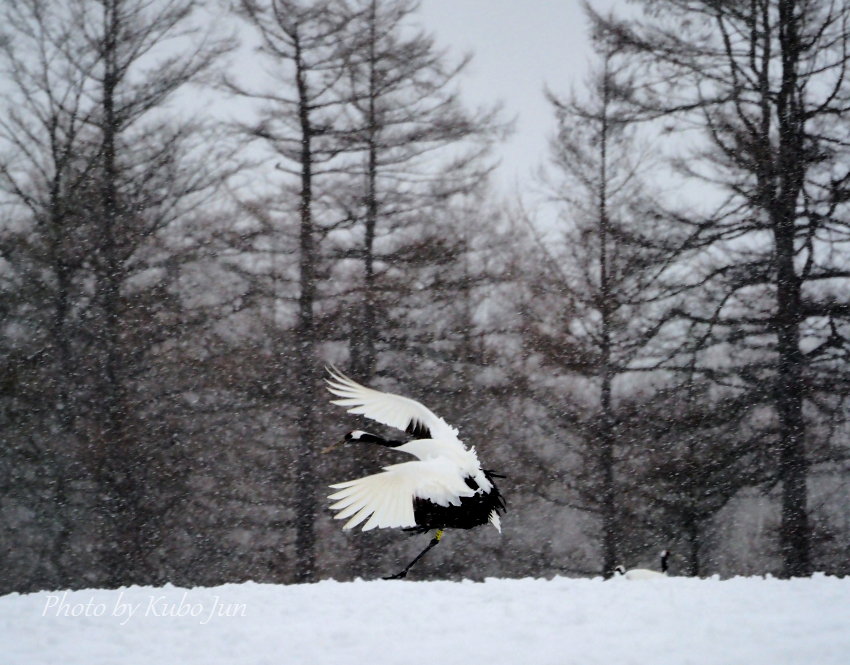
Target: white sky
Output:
[{"x": 518, "y": 46}]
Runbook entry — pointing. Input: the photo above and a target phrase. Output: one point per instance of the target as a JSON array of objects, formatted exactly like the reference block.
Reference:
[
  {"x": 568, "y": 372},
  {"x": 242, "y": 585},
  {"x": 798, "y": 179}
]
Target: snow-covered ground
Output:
[{"x": 674, "y": 621}]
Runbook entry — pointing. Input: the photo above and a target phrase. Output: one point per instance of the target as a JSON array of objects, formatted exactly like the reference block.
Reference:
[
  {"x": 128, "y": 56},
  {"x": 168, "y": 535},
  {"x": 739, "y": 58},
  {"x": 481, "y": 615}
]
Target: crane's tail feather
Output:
[{"x": 496, "y": 521}]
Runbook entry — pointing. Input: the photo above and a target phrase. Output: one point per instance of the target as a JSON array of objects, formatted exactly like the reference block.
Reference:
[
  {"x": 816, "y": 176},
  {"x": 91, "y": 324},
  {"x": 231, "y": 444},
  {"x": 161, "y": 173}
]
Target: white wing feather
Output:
[
  {"x": 385, "y": 500},
  {"x": 387, "y": 408}
]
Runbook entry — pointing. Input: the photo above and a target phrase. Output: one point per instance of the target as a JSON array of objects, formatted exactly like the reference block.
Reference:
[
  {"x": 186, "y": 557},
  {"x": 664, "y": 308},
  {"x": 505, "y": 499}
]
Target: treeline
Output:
[{"x": 663, "y": 366}]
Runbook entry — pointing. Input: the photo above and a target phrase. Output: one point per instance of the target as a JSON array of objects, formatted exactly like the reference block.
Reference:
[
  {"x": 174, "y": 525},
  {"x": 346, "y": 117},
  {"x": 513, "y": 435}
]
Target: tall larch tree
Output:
[
  {"x": 105, "y": 179},
  {"x": 598, "y": 299},
  {"x": 416, "y": 149},
  {"x": 766, "y": 81},
  {"x": 299, "y": 123}
]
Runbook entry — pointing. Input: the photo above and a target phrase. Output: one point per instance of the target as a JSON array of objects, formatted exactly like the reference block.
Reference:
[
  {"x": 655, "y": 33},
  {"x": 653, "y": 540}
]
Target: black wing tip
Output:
[{"x": 417, "y": 429}]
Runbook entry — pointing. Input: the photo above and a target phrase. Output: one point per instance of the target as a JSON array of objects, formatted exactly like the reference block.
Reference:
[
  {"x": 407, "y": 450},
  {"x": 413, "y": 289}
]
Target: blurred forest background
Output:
[{"x": 663, "y": 365}]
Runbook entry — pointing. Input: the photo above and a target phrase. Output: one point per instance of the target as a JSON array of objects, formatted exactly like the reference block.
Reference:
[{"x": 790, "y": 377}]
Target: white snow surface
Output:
[{"x": 676, "y": 621}]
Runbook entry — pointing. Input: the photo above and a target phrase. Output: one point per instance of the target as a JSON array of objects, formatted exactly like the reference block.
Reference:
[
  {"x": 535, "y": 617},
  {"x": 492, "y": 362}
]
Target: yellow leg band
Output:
[{"x": 438, "y": 534}]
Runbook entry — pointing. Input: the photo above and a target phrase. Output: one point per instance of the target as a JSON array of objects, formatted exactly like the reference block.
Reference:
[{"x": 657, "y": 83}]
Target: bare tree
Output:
[
  {"x": 47, "y": 154},
  {"x": 300, "y": 123},
  {"x": 103, "y": 179},
  {"x": 416, "y": 150},
  {"x": 766, "y": 82},
  {"x": 598, "y": 298}
]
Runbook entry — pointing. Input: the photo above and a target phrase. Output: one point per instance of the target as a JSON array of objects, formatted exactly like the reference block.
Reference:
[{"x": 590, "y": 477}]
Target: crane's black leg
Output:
[{"x": 438, "y": 534}]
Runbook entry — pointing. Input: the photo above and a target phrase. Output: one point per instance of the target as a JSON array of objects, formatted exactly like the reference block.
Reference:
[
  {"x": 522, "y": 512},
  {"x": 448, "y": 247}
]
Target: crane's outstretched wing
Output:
[
  {"x": 386, "y": 498},
  {"x": 388, "y": 408}
]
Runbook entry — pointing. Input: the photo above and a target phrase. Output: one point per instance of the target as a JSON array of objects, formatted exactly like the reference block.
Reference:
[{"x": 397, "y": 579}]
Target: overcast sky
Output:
[{"x": 518, "y": 46}]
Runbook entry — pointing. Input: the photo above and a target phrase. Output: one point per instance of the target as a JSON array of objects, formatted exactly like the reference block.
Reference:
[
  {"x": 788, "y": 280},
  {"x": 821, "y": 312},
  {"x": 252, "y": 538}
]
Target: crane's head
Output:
[
  {"x": 359, "y": 436},
  {"x": 619, "y": 570}
]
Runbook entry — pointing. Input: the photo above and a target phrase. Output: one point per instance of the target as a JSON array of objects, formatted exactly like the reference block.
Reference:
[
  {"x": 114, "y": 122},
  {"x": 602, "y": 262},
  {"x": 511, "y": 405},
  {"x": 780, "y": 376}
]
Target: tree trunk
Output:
[
  {"x": 795, "y": 533},
  {"x": 793, "y": 466},
  {"x": 118, "y": 503},
  {"x": 363, "y": 358},
  {"x": 305, "y": 537},
  {"x": 692, "y": 531},
  {"x": 606, "y": 435}
]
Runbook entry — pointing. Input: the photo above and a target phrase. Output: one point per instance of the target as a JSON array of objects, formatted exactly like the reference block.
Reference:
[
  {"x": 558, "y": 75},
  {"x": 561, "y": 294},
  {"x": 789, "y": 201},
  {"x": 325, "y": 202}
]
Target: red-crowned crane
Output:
[
  {"x": 645, "y": 573},
  {"x": 445, "y": 488}
]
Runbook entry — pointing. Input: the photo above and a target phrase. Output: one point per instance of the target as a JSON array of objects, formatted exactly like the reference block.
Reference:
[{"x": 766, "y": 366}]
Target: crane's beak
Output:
[{"x": 326, "y": 450}]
